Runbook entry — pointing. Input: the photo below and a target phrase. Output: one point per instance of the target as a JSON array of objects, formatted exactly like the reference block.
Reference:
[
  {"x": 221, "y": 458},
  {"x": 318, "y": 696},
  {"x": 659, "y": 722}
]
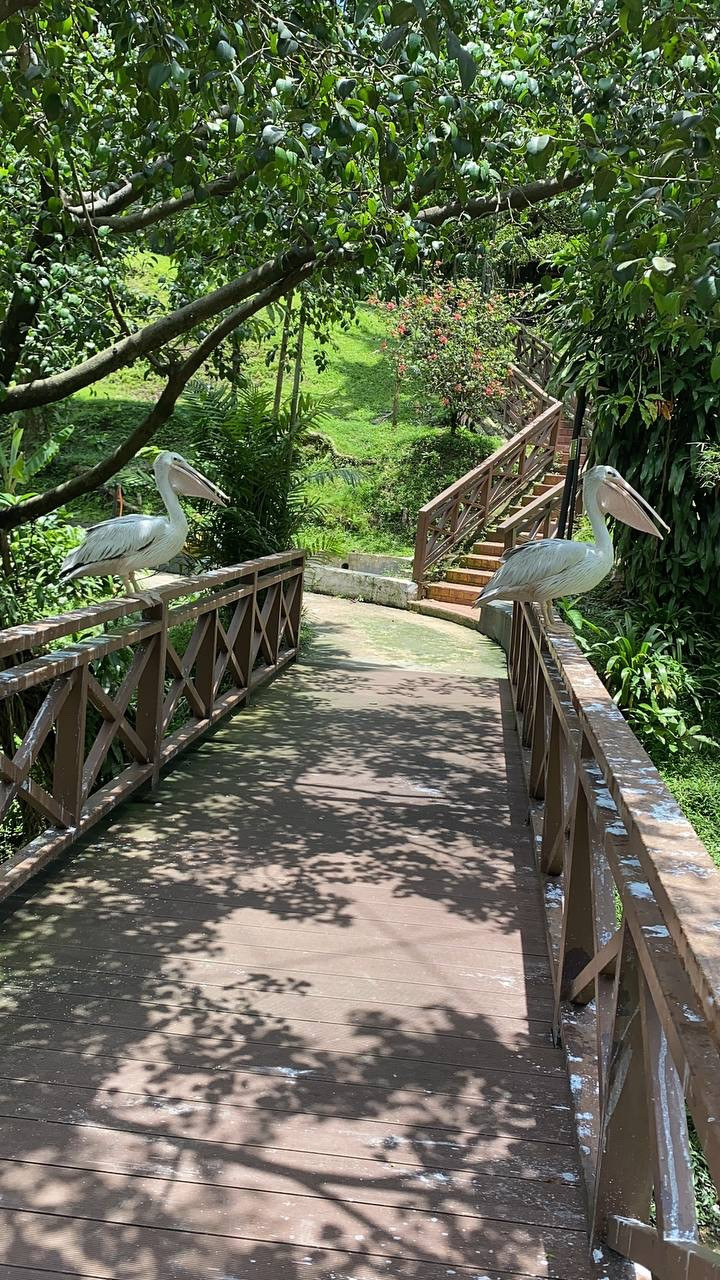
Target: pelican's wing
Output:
[
  {"x": 113, "y": 539},
  {"x": 534, "y": 564}
]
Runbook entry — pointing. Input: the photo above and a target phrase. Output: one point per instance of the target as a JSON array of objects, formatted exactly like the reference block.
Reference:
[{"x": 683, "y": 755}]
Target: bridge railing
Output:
[
  {"x": 480, "y": 496},
  {"x": 84, "y": 724},
  {"x": 632, "y": 907}
]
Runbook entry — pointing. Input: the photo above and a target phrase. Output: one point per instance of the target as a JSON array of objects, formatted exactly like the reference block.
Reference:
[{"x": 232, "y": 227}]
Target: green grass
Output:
[{"x": 694, "y": 781}]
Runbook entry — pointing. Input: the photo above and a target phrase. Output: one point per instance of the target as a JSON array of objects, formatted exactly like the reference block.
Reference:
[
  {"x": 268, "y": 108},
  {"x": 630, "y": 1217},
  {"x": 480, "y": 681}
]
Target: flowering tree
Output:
[{"x": 454, "y": 346}]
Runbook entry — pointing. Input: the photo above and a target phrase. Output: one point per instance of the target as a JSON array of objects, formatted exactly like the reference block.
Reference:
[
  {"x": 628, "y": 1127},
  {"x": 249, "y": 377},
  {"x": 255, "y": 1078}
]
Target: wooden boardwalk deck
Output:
[{"x": 290, "y": 1018}]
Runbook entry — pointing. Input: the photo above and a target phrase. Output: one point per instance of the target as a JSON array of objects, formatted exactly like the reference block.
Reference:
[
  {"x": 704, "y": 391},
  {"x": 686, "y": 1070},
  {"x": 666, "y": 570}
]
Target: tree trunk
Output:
[
  {"x": 297, "y": 375},
  {"x": 282, "y": 357}
]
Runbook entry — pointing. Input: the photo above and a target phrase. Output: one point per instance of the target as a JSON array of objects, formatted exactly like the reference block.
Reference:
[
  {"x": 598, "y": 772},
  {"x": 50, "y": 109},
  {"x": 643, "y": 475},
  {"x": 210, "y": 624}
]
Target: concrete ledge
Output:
[
  {"x": 493, "y": 620},
  {"x": 496, "y": 622},
  {"x": 330, "y": 580}
]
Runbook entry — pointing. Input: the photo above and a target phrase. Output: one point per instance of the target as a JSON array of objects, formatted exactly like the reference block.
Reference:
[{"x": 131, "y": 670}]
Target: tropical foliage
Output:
[
  {"x": 264, "y": 462},
  {"x": 661, "y": 695},
  {"x": 338, "y": 145}
]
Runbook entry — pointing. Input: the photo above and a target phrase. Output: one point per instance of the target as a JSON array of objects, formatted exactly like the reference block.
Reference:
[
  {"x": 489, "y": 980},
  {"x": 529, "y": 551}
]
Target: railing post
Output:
[
  {"x": 70, "y": 745},
  {"x": 151, "y": 690},
  {"x": 420, "y": 558},
  {"x": 244, "y": 644},
  {"x": 623, "y": 1182},
  {"x": 295, "y": 608}
]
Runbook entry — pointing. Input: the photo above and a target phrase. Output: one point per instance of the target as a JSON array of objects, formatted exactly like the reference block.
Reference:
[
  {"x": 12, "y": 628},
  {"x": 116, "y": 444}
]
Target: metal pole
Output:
[{"x": 567, "y": 505}]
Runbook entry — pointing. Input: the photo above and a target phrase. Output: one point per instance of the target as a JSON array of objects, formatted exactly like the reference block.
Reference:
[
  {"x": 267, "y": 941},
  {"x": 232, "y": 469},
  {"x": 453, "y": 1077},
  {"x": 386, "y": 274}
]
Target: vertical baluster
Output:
[
  {"x": 669, "y": 1142},
  {"x": 551, "y": 849},
  {"x": 272, "y": 628},
  {"x": 151, "y": 690},
  {"x": 624, "y": 1181},
  {"x": 245, "y": 640},
  {"x": 295, "y": 608},
  {"x": 70, "y": 744},
  {"x": 205, "y": 663},
  {"x": 577, "y": 945},
  {"x": 538, "y": 748}
]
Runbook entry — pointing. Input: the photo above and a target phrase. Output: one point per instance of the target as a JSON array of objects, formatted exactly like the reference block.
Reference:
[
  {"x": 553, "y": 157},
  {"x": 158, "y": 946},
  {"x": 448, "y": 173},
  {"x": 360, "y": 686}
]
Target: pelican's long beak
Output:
[
  {"x": 620, "y": 500},
  {"x": 185, "y": 479}
]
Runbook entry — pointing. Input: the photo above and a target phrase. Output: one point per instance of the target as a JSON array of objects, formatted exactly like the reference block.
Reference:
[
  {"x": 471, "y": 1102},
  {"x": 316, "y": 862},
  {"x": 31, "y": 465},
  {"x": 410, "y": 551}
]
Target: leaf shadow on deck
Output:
[{"x": 290, "y": 1018}]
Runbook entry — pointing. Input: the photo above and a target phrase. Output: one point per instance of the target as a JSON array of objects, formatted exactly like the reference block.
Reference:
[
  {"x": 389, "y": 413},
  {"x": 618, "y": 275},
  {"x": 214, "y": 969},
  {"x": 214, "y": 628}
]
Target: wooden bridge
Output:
[{"x": 322, "y": 1003}]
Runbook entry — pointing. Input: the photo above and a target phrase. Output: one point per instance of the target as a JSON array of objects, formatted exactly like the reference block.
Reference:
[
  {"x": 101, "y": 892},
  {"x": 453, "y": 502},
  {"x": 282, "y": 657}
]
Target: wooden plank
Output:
[
  {"x": 109, "y": 1000},
  {"x": 118, "y": 1252},
  {"x": 280, "y": 1219},
  {"x": 502, "y": 1110},
  {"x": 231, "y": 1129},
  {"x": 211, "y": 1168},
  {"x": 515, "y": 934},
  {"x": 381, "y": 1069},
  {"x": 87, "y": 1017},
  {"x": 504, "y": 972},
  {"x": 486, "y": 1017}
]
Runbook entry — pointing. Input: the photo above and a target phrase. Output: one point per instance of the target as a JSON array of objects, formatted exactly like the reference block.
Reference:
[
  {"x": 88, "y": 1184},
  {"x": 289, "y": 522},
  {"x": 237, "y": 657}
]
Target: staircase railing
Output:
[
  {"x": 631, "y": 901},
  {"x": 82, "y": 726},
  {"x": 534, "y": 355},
  {"x": 479, "y": 497}
]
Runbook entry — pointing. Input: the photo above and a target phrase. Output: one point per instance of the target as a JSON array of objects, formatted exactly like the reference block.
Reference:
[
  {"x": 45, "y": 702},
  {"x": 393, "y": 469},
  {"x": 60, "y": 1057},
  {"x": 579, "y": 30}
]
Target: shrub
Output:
[
  {"x": 659, "y": 693},
  {"x": 454, "y": 345},
  {"x": 422, "y": 470}
]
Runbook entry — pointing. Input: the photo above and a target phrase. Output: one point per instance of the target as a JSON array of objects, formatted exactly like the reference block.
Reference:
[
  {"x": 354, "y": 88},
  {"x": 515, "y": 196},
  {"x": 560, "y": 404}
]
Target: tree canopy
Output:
[{"x": 335, "y": 146}]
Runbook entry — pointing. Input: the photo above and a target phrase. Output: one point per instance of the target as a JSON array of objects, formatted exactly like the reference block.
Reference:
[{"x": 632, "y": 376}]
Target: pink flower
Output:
[
  {"x": 390, "y": 306},
  {"x": 443, "y": 339}
]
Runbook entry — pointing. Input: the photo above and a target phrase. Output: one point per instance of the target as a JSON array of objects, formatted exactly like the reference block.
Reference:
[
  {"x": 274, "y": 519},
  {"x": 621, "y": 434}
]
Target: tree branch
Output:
[
  {"x": 41, "y": 504},
  {"x": 511, "y": 198},
  {"x": 126, "y": 351},
  {"x": 127, "y": 223},
  {"x": 10, "y": 7}
]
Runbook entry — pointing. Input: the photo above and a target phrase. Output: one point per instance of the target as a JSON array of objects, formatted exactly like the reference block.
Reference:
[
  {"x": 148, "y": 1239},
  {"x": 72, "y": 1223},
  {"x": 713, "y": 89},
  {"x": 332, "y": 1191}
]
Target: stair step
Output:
[
  {"x": 461, "y": 613},
  {"x": 473, "y": 561},
  {"x": 473, "y": 577},
  {"x": 487, "y": 549},
  {"x": 455, "y": 592}
]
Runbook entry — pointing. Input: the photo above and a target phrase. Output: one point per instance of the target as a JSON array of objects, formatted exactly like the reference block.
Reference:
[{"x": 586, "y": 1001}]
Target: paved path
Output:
[{"x": 289, "y": 1019}]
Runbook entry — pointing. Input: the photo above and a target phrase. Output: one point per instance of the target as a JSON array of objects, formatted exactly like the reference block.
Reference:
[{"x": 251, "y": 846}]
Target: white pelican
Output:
[
  {"x": 129, "y": 543},
  {"x": 553, "y": 567}
]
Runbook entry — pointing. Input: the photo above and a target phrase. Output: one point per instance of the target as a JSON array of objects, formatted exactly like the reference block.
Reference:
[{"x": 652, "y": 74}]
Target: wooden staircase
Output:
[
  {"x": 463, "y": 583},
  {"x": 515, "y": 511}
]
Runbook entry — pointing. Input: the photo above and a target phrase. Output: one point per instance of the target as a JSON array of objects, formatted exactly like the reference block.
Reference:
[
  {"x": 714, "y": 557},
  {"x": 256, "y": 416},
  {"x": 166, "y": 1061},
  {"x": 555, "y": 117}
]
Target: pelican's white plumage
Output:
[
  {"x": 553, "y": 567},
  {"x": 122, "y": 546}
]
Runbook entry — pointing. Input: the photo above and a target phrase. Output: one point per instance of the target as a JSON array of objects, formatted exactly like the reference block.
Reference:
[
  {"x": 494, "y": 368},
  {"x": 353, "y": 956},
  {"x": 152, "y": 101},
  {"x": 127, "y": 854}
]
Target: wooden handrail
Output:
[
  {"x": 484, "y": 492},
  {"x": 536, "y": 517},
  {"x": 182, "y": 667},
  {"x": 637, "y": 985}
]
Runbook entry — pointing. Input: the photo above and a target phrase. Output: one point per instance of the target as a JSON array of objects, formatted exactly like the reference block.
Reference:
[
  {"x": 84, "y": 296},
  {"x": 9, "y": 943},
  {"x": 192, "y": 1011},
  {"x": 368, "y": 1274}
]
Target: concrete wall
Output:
[
  {"x": 377, "y": 589},
  {"x": 367, "y": 562},
  {"x": 496, "y": 622}
]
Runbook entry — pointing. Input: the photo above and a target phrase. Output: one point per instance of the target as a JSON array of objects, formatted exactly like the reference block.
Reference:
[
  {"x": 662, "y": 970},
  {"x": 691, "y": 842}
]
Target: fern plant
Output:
[{"x": 269, "y": 465}]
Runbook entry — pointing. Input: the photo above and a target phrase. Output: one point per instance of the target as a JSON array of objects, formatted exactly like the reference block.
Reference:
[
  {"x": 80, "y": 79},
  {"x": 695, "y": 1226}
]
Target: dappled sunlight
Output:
[{"x": 290, "y": 1016}]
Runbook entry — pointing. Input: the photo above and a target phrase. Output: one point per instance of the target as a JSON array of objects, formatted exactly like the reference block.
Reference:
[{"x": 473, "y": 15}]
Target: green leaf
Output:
[
  {"x": 706, "y": 290},
  {"x": 537, "y": 144},
  {"x": 404, "y": 11},
  {"x": 157, "y": 75},
  {"x": 663, "y": 265},
  {"x": 53, "y": 106},
  {"x": 466, "y": 63},
  {"x": 603, "y": 182},
  {"x": 225, "y": 52},
  {"x": 715, "y": 368}
]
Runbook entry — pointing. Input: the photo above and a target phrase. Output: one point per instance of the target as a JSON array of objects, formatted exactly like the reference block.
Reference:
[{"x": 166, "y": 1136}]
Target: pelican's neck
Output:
[
  {"x": 603, "y": 541},
  {"x": 172, "y": 502}
]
